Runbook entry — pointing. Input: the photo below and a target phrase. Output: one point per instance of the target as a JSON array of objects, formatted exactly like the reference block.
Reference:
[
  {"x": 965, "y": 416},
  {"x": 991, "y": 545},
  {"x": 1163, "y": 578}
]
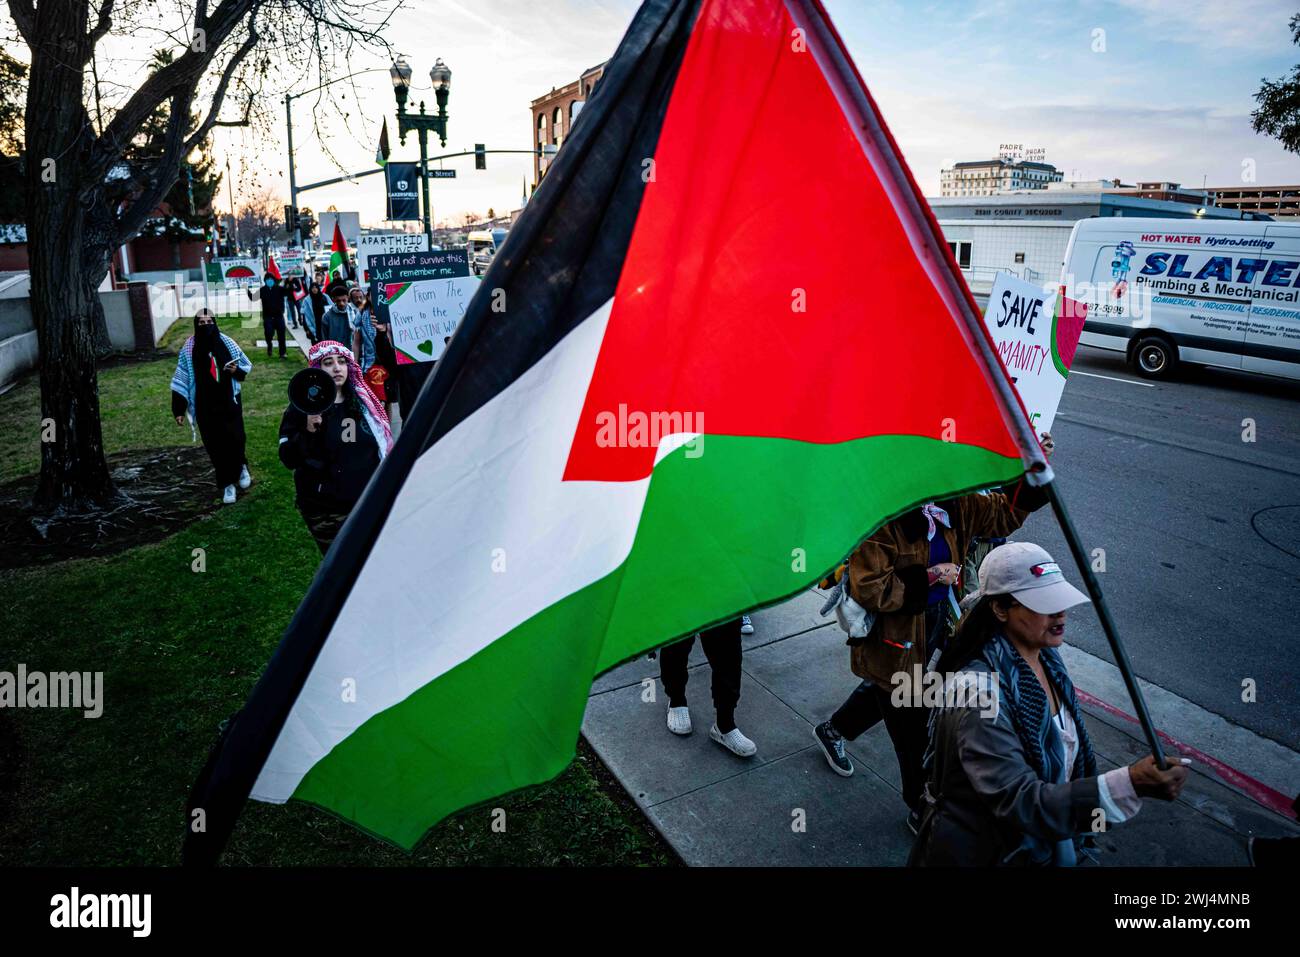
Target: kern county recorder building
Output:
[{"x": 1026, "y": 232}]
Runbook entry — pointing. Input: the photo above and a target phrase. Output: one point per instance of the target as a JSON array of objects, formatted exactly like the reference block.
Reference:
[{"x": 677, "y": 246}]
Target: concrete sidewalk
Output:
[{"x": 717, "y": 809}]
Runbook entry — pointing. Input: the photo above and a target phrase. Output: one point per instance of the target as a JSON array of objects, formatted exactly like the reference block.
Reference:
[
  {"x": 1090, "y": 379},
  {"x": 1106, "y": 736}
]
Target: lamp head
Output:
[{"x": 400, "y": 72}]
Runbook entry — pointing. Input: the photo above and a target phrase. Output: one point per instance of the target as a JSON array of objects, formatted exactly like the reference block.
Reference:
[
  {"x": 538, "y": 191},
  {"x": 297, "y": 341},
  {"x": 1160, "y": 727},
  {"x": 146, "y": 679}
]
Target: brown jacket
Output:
[{"x": 887, "y": 573}]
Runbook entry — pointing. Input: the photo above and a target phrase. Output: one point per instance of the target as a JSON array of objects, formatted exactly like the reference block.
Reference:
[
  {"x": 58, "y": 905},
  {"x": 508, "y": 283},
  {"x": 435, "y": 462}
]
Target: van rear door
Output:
[{"x": 1273, "y": 338}]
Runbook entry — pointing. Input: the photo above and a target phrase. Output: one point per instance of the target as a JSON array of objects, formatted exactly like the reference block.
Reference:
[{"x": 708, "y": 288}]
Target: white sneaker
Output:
[
  {"x": 734, "y": 741},
  {"x": 245, "y": 479},
  {"x": 679, "y": 720},
  {"x": 746, "y": 625},
  {"x": 228, "y": 496}
]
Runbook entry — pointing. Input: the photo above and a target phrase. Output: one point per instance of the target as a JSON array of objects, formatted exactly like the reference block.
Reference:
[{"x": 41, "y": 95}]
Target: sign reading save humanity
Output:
[
  {"x": 423, "y": 315},
  {"x": 1036, "y": 334}
]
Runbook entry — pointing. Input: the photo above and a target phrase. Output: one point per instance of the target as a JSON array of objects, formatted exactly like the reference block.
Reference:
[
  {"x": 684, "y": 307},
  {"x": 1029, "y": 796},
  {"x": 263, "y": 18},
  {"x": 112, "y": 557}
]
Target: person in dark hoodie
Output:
[
  {"x": 273, "y": 296},
  {"x": 335, "y": 321},
  {"x": 205, "y": 388},
  {"x": 333, "y": 455},
  {"x": 904, "y": 574}
]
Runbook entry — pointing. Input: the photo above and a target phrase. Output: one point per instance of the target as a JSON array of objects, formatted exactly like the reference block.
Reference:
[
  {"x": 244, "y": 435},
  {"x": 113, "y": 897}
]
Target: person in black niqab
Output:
[{"x": 208, "y": 390}]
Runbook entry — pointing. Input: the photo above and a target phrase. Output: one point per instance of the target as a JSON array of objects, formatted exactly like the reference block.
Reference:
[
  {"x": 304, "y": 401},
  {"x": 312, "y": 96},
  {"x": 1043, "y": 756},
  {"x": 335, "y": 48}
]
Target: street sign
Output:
[{"x": 442, "y": 174}]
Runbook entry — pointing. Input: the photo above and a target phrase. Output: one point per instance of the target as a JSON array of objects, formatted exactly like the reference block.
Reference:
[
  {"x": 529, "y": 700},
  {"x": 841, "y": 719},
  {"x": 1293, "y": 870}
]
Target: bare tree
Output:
[
  {"x": 261, "y": 220},
  {"x": 84, "y": 198}
]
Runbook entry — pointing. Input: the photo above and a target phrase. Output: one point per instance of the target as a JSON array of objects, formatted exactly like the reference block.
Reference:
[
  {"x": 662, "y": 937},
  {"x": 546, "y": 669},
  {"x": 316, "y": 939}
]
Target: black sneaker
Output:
[
  {"x": 832, "y": 743},
  {"x": 914, "y": 822}
]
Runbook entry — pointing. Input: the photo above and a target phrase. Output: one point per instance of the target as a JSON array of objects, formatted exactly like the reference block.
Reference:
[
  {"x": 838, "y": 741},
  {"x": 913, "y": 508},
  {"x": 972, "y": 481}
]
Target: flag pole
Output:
[
  {"x": 1107, "y": 623},
  {"x": 825, "y": 45}
]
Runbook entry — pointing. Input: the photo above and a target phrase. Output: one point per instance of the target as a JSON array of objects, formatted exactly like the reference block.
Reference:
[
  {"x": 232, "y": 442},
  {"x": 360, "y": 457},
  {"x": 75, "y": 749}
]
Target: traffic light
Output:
[
  {"x": 480, "y": 156},
  {"x": 291, "y": 219}
]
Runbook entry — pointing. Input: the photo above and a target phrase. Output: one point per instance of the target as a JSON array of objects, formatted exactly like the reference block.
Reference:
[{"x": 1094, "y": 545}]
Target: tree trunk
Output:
[{"x": 67, "y": 248}]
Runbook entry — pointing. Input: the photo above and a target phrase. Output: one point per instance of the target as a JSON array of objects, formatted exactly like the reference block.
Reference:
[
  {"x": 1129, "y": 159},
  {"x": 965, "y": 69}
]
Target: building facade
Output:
[
  {"x": 1026, "y": 232},
  {"x": 987, "y": 177},
  {"x": 555, "y": 112},
  {"x": 1280, "y": 202},
  {"x": 1172, "y": 192}
]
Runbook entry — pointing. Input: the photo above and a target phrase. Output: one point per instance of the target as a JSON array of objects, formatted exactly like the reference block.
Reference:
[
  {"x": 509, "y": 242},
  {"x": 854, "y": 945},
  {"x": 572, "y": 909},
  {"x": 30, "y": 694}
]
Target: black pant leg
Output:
[
  {"x": 860, "y": 711},
  {"x": 672, "y": 670},
  {"x": 909, "y": 729},
  {"x": 721, "y": 645}
]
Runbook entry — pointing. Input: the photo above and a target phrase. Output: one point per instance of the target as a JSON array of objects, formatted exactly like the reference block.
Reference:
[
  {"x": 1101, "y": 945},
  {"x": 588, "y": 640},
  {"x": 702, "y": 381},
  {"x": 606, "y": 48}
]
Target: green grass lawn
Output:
[{"x": 180, "y": 651}]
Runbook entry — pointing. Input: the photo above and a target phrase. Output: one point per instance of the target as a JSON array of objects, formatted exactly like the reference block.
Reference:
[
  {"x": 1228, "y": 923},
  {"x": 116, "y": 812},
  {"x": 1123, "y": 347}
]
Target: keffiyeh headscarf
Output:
[{"x": 371, "y": 407}]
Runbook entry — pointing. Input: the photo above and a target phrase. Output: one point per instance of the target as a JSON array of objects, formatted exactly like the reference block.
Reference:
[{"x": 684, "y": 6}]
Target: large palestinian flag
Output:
[{"x": 690, "y": 407}]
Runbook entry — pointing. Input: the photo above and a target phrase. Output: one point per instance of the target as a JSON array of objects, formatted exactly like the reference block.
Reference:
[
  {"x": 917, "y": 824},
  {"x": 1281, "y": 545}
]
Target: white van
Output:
[{"x": 1210, "y": 292}]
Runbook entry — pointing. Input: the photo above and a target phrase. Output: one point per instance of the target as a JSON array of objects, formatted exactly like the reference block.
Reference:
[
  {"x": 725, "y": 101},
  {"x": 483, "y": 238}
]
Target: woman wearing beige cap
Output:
[{"x": 1012, "y": 776}]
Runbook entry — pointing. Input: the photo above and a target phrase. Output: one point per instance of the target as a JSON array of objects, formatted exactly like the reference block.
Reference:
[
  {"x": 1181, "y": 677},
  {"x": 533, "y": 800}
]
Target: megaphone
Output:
[{"x": 312, "y": 391}]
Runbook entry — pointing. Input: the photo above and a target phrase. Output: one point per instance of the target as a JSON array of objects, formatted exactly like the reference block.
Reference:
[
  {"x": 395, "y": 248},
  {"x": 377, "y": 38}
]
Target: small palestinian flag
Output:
[
  {"x": 272, "y": 268},
  {"x": 338, "y": 255},
  {"x": 381, "y": 154},
  {"x": 682, "y": 415}
]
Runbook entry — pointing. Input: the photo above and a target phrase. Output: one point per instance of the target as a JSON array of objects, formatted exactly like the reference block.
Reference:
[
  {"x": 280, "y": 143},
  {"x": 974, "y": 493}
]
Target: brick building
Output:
[{"x": 553, "y": 114}]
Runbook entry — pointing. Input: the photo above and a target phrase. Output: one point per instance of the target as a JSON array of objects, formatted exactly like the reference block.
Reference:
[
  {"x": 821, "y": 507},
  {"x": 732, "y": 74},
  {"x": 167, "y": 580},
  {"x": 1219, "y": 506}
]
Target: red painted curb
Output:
[{"x": 1257, "y": 791}]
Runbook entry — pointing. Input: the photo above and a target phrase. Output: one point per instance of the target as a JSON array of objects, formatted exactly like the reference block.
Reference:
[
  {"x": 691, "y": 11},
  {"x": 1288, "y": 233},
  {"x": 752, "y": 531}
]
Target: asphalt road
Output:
[{"x": 1201, "y": 530}]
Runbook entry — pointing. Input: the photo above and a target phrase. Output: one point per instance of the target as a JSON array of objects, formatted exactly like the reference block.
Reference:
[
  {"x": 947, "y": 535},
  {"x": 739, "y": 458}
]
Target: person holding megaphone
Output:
[{"x": 333, "y": 435}]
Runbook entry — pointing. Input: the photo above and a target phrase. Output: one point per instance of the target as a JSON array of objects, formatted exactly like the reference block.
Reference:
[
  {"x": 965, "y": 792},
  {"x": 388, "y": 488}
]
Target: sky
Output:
[{"x": 1135, "y": 89}]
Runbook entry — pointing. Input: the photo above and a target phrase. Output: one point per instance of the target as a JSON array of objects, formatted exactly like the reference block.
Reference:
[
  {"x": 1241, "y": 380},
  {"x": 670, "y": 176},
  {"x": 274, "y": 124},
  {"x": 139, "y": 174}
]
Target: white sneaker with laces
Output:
[
  {"x": 679, "y": 720},
  {"x": 228, "y": 496},
  {"x": 746, "y": 625},
  {"x": 734, "y": 741},
  {"x": 245, "y": 479}
]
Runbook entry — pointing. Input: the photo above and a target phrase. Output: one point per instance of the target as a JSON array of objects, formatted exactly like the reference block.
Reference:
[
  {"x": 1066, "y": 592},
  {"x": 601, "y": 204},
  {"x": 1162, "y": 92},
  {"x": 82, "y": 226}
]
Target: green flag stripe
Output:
[{"x": 719, "y": 534}]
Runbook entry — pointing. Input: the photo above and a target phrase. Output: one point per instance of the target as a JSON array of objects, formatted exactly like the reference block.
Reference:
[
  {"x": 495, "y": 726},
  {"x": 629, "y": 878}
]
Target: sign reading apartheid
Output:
[{"x": 380, "y": 243}]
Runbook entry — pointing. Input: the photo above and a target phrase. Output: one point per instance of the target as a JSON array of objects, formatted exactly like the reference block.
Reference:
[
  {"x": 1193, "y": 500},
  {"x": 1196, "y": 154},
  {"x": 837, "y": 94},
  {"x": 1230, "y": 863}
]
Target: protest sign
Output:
[
  {"x": 291, "y": 263},
  {"x": 387, "y": 243},
  {"x": 425, "y": 313},
  {"x": 237, "y": 273},
  {"x": 1036, "y": 332},
  {"x": 388, "y": 269}
]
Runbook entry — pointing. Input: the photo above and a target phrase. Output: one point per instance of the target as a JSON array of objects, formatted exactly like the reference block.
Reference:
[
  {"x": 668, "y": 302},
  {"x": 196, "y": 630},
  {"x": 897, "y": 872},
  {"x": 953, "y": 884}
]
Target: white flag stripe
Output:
[{"x": 429, "y": 597}]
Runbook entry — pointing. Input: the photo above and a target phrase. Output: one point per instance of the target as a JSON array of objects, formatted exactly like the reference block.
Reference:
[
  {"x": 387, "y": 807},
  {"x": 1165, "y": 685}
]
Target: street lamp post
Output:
[{"x": 422, "y": 122}]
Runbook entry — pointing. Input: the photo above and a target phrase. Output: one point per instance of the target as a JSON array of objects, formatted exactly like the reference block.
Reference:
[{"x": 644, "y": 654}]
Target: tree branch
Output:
[
  {"x": 104, "y": 24},
  {"x": 158, "y": 180},
  {"x": 24, "y": 15},
  {"x": 219, "y": 96},
  {"x": 184, "y": 72}
]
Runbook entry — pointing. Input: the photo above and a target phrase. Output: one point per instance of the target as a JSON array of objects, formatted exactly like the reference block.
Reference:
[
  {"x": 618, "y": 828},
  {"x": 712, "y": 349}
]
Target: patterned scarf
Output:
[
  {"x": 932, "y": 513},
  {"x": 372, "y": 408},
  {"x": 1029, "y": 708}
]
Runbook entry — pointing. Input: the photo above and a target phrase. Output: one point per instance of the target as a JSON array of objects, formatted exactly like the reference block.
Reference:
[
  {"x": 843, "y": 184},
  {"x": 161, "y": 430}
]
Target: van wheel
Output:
[{"x": 1154, "y": 357}]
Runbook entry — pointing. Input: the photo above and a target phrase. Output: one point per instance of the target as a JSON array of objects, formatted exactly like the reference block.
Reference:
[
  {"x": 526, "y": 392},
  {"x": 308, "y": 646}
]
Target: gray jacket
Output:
[
  {"x": 336, "y": 324},
  {"x": 986, "y": 805}
]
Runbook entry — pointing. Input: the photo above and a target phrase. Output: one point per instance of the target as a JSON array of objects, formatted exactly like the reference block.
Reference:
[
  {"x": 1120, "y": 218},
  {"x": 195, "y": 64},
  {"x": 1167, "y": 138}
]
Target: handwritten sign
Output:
[
  {"x": 374, "y": 244},
  {"x": 424, "y": 314},
  {"x": 394, "y": 269},
  {"x": 1036, "y": 332}
]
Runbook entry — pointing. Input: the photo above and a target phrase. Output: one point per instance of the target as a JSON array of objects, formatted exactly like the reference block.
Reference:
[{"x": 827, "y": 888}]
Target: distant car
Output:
[{"x": 481, "y": 247}]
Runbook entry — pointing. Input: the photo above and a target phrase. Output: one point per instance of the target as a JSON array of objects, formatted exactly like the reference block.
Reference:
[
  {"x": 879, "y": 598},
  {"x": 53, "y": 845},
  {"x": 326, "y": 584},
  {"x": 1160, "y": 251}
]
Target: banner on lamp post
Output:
[{"x": 403, "y": 190}]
